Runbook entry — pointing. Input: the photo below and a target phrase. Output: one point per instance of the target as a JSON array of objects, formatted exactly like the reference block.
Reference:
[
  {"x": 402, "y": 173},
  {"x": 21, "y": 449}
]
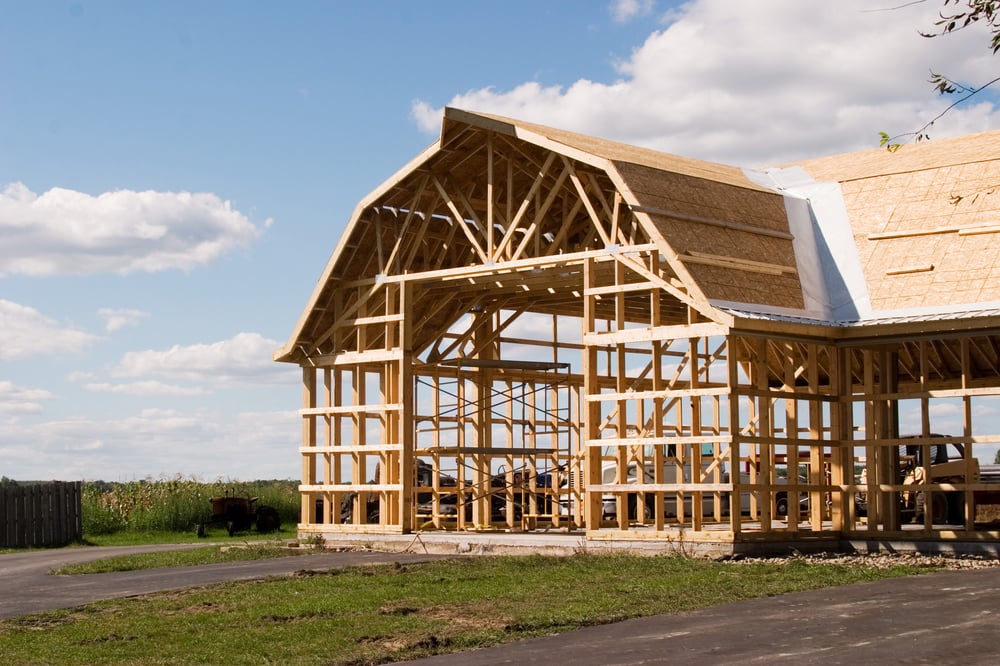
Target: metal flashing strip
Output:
[
  {"x": 830, "y": 271},
  {"x": 912, "y": 315}
]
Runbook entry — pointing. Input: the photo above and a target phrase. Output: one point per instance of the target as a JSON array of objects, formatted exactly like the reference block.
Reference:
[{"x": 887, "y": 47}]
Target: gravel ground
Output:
[{"x": 887, "y": 560}]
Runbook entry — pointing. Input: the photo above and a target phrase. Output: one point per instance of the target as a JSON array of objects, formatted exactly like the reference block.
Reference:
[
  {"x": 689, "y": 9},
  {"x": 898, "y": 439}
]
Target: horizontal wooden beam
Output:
[
  {"x": 620, "y": 288},
  {"x": 653, "y": 395},
  {"x": 349, "y": 409},
  {"x": 662, "y": 488},
  {"x": 370, "y": 449},
  {"x": 350, "y": 487},
  {"x": 549, "y": 261},
  {"x": 931, "y": 231},
  {"x": 656, "y": 333},
  {"x": 371, "y": 357},
  {"x": 735, "y": 263},
  {"x": 659, "y": 441}
]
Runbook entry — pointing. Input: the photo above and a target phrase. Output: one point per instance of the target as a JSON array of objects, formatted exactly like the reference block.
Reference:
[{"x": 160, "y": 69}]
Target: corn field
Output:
[{"x": 175, "y": 504}]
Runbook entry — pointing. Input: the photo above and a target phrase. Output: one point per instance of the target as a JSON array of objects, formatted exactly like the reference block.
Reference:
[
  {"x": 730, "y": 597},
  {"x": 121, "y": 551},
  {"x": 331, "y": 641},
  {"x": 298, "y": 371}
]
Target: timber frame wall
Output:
[
  {"x": 501, "y": 343},
  {"x": 656, "y": 398}
]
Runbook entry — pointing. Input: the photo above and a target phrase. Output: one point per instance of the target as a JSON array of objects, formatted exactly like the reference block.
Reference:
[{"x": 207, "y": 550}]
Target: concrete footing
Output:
[{"x": 572, "y": 543}]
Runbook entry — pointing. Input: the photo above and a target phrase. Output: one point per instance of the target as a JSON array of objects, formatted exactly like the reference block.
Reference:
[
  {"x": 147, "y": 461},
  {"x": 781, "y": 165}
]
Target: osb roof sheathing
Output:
[
  {"x": 704, "y": 197},
  {"x": 925, "y": 218},
  {"x": 622, "y": 152}
]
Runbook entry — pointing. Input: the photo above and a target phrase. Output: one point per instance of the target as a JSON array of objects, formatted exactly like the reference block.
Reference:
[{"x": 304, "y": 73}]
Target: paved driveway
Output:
[
  {"x": 947, "y": 618},
  {"x": 26, "y": 586}
]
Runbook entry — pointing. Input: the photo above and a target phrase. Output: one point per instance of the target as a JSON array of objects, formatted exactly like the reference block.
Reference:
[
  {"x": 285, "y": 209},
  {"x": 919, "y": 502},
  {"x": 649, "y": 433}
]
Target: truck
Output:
[{"x": 946, "y": 465}]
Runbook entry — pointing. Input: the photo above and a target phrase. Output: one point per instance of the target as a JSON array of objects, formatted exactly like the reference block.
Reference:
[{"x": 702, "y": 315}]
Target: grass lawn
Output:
[
  {"x": 371, "y": 615},
  {"x": 209, "y": 554}
]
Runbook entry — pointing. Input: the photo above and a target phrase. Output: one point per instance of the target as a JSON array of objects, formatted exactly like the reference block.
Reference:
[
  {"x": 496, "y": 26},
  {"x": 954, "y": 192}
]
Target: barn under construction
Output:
[{"x": 529, "y": 331}]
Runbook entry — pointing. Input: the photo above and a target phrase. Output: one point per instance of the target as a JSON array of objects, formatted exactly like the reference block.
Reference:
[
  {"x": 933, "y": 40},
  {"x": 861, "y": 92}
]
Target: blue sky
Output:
[{"x": 174, "y": 176}]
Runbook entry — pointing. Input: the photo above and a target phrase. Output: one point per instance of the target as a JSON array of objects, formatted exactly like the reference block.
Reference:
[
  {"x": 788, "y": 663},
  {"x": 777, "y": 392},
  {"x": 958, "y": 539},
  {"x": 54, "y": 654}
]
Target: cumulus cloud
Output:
[
  {"x": 156, "y": 442},
  {"x": 146, "y": 388},
  {"x": 246, "y": 358},
  {"x": 26, "y": 332},
  {"x": 118, "y": 318},
  {"x": 759, "y": 83},
  {"x": 626, "y": 10},
  {"x": 19, "y": 400},
  {"x": 64, "y": 232}
]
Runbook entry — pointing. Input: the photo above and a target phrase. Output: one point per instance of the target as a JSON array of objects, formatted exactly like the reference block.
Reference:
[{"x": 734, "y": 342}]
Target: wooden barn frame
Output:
[{"x": 527, "y": 329}]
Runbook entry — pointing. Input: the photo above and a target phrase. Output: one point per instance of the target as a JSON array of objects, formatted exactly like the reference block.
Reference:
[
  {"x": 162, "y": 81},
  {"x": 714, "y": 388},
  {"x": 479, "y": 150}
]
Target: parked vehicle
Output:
[
  {"x": 238, "y": 514},
  {"x": 448, "y": 500},
  {"x": 609, "y": 504},
  {"x": 947, "y": 464}
]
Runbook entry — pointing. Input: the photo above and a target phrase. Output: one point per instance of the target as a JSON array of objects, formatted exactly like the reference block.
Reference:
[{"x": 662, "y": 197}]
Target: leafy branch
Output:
[
  {"x": 944, "y": 86},
  {"x": 978, "y": 10},
  {"x": 954, "y": 18}
]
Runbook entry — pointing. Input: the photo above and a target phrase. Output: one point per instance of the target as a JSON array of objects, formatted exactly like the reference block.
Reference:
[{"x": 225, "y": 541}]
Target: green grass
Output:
[
  {"x": 376, "y": 615},
  {"x": 234, "y": 552}
]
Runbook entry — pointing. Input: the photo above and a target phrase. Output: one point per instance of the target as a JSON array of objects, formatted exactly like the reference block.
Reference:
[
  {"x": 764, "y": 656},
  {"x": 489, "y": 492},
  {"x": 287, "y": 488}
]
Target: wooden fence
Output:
[{"x": 47, "y": 514}]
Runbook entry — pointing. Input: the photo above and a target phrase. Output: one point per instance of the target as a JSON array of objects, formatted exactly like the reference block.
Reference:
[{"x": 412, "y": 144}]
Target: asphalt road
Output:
[
  {"x": 947, "y": 618},
  {"x": 27, "y": 586},
  {"x": 944, "y": 618}
]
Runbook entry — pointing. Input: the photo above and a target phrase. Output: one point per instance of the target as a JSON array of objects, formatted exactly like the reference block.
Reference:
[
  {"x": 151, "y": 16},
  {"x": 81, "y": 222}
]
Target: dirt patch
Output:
[
  {"x": 480, "y": 616},
  {"x": 397, "y": 609},
  {"x": 307, "y": 616}
]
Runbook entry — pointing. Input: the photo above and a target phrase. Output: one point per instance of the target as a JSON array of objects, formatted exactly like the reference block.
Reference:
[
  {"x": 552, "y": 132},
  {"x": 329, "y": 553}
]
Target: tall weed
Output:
[{"x": 175, "y": 504}]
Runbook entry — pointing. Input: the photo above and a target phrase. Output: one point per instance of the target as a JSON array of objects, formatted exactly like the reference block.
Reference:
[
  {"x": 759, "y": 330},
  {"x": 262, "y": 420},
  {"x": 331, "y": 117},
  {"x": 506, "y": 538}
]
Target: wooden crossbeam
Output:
[
  {"x": 459, "y": 220},
  {"x": 724, "y": 261},
  {"x": 581, "y": 192},
  {"x": 513, "y": 225}
]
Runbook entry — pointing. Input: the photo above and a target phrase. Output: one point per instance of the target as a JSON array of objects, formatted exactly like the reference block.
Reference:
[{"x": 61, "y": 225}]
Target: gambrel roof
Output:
[{"x": 837, "y": 241}]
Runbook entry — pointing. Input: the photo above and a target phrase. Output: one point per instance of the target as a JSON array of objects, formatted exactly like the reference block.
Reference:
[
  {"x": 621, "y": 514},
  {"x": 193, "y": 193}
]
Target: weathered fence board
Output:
[{"x": 48, "y": 514}]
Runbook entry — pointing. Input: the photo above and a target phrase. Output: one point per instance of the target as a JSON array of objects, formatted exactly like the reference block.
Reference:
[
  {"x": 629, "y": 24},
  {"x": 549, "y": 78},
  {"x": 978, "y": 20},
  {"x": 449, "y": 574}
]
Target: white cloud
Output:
[
  {"x": 116, "y": 319},
  {"x": 246, "y": 358},
  {"x": 18, "y": 400},
  {"x": 755, "y": 83},
  {"x": 626, "y": 10},
  {"x": 149, "y": 387},
  {"x": 25, "y": 332},
  {"x": 156, "y": 442},
  {"x": 63, "y": 232}
]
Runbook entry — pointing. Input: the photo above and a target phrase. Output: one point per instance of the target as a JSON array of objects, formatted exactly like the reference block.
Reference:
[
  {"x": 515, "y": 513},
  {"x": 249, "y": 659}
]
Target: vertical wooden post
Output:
[
  {"x": 694, "y": 384},
  {"x": 330, "y": 461},
  {"x": 404, "y": 423},
  {"x": 842, "y": 437},
  {"x": 735, "y": 439},
  {"x": 307, "y": 508},
  {"x": 790, "y": 359},
  {"x": 971, "y": 467},
  {"x": 482, "y": 399},
  {"x": 765, "y": 431},
  {"x": 591, "y": 408}
]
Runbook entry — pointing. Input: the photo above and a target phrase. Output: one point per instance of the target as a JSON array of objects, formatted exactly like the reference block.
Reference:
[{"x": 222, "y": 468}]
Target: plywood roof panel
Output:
[{"x": 923, "y": 220}]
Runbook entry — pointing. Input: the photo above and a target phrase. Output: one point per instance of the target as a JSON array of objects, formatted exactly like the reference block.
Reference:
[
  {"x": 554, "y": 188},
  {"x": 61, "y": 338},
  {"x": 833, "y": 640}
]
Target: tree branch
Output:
[{"x": 892, "y": 143}]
